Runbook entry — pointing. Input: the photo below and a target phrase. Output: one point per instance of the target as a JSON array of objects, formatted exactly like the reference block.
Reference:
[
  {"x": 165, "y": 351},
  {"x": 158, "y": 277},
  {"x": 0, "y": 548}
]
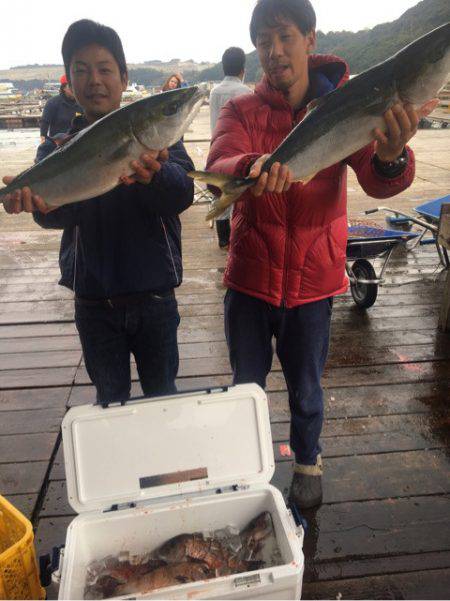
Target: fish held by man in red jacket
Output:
[{"x": 343, "y": 121}]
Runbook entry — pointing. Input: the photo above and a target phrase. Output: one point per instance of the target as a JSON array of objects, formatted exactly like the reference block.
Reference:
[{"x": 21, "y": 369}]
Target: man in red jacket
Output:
[{"x": 288, "y": 242}]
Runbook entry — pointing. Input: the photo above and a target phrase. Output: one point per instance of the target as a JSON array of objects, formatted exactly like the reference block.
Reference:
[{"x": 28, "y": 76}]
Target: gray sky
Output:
[{"x": 163, "y": 29}]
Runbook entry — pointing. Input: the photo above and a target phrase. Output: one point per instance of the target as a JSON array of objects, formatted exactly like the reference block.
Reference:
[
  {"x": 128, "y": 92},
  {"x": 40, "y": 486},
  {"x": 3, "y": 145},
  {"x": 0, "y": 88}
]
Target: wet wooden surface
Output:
[{"x": 384, "y": 528}]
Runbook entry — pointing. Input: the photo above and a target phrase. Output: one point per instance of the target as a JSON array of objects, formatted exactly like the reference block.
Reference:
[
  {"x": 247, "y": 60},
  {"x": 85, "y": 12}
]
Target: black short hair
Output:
[
  {"x": 268, "y": 13},
  {"x": 85, "y": 32},
  {"x": 233, "y": 61}
]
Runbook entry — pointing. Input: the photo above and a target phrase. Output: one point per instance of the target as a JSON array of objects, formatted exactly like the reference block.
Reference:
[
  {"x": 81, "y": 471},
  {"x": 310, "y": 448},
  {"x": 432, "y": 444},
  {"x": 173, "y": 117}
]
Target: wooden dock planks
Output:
[{"x": 383, "y": 528}]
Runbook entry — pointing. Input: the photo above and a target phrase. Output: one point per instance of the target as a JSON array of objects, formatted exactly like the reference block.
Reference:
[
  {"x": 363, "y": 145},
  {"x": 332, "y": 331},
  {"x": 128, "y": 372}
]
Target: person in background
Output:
[
  {"x": 233, "y": 64},
  {"x": 174, "y": 82},
  {"x": 59, "y": 112}
]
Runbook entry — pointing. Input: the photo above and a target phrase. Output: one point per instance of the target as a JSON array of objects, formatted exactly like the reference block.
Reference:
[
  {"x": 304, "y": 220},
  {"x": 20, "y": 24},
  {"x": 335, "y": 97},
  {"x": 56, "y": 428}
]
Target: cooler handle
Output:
[
  {"x": 49, "y": 568},
  {"x": 106, "y": 404},
  {"x": 299, "y": 519}
]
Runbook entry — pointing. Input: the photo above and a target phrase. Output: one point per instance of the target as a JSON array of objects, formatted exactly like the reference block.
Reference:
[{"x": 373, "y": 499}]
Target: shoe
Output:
[{"x": 306, "y": 486}]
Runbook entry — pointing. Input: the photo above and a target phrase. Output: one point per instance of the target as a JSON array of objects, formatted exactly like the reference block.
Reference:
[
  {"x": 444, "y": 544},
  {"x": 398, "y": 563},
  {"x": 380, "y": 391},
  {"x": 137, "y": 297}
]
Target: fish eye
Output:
[{"x": 170, "y": 109}]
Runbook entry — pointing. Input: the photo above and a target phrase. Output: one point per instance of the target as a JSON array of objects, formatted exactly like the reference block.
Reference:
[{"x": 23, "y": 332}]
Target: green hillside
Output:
[{"x": 366, "y": 48}]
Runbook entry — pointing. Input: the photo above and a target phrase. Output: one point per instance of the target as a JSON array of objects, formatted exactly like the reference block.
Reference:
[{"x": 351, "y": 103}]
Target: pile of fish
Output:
[{"x": 186, "y": 558}]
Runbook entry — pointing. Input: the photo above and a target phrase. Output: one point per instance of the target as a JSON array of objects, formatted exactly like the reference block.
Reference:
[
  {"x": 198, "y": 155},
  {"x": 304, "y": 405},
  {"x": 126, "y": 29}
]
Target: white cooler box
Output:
[{"x": 142, "y": 473}]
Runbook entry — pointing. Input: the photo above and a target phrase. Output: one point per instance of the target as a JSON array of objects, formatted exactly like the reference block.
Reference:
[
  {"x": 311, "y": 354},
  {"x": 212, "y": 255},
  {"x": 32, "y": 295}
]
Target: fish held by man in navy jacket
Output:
[{"x": 93, "y": 162}]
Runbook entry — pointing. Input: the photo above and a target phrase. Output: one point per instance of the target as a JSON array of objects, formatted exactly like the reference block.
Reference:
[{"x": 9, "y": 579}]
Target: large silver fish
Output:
[
  {"x": 342, "y": 122},
  {"x": 92, "y": 162}
]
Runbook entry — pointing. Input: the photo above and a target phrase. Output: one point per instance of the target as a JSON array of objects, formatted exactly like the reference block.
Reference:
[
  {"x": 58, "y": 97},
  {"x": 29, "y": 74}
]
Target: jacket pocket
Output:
[{"x": 324, "y": 266}]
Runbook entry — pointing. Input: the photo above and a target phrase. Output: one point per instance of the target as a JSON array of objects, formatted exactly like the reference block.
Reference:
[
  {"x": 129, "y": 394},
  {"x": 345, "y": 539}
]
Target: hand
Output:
[
  {"x": 23, "y": 200},
  {"x": 42, "y": 139},
  {"x": 144, "y": 170},
  {"x": 401, "y": 123},
  {"x": 279, "y": 178}
]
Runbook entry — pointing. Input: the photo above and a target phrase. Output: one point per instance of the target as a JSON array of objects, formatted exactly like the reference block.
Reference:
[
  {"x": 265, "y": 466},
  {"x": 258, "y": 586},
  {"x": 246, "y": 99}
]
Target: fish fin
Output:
[
  {"x": 220, "y": 204},
  {"x": 428, "y": 107},
  {"x": 317, "y": 102},
  {"x": 312, "y": 105},
  {"x": 231, "y": 189},
  {"x": 307, "y": 179},
  {"x": 219, "y": 180},
  {"x": 120, "y": 152}
]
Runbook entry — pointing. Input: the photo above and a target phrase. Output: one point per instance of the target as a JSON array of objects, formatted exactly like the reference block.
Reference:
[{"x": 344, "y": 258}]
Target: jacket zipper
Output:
[
  {"x": 75, "y": 257},
  {"x": 286, "y": 256},
  {"x": 287, "y": 245},
  {"x": 170, "y": 252}
]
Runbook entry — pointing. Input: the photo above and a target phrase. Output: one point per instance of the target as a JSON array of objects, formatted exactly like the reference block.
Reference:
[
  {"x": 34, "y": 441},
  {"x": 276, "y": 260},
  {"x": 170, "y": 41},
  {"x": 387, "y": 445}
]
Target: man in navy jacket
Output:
[
  {"x": 120, "y": 252},
  {"x": 59, "y": 112}
]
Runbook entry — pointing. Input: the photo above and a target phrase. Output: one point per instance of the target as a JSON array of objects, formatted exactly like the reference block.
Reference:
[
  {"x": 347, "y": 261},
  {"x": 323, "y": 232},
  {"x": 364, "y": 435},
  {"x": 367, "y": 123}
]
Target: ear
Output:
[
  {"x": 311, "y": 41},
  {"x": 124, "y": 78}
]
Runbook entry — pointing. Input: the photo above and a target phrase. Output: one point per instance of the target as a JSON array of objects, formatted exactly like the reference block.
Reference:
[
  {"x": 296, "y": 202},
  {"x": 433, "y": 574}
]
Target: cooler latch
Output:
[
  {"x": 120, "y": 507},
  {"x": 232, "y": 488}
]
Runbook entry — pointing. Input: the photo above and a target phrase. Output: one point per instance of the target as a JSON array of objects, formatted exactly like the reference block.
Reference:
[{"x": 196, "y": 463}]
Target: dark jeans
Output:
[
  {"x": 109, "y": 335},
  {"x": 302, "y": 337}
]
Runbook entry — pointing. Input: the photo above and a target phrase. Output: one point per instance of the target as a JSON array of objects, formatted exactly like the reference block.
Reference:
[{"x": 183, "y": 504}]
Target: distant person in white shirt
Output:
[{"x": 233, "y": 64}]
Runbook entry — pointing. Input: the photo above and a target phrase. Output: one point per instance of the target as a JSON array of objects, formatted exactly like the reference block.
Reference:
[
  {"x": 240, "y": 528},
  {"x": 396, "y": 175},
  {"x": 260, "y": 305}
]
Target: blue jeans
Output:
[
  {"x": 302, "y": 339},
  {"x": 147, "y": 329}
]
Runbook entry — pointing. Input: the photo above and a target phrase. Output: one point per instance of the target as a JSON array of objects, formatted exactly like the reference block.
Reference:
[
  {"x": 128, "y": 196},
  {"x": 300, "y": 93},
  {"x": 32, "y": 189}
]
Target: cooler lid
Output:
[{"x": 155, "y": 448}]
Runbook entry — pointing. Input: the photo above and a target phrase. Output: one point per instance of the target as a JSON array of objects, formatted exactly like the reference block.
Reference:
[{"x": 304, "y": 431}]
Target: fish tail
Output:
[{"x": 231, "y": 189}]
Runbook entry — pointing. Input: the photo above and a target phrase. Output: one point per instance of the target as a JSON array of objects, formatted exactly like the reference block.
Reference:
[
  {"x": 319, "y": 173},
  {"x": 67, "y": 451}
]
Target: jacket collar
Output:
[
  {"x": 326, "y": 72},
  {"x": 232, "y": 78}
]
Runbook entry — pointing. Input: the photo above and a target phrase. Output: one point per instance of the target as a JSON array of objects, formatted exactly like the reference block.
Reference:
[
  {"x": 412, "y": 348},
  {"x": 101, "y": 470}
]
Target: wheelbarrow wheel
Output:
[{"x": 364, "y": 295}]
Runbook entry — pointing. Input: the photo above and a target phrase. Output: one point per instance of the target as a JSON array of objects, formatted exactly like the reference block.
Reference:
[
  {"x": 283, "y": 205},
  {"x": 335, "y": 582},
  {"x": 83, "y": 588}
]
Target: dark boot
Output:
[
  {"x": 306, "y": 486},
  {"x": 223, "y": 232}
]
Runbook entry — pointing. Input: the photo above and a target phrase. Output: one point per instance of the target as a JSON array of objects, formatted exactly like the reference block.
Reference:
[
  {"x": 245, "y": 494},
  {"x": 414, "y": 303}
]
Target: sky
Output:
[{"x": 163, "y": 29}]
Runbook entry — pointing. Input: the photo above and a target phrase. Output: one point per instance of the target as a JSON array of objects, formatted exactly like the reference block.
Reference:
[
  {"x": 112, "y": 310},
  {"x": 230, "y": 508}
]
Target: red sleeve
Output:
[
  {"x": 231, "y": 149},
  {"x": 372, "y": 182}
]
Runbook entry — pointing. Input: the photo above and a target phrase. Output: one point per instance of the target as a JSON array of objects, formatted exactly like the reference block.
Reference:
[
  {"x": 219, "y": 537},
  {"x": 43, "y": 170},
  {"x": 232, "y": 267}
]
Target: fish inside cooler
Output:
[{"x": 142, "y": 551}]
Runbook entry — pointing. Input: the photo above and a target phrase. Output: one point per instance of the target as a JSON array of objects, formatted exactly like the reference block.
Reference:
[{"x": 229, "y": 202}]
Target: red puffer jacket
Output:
[{"x": 290, "y": 248}]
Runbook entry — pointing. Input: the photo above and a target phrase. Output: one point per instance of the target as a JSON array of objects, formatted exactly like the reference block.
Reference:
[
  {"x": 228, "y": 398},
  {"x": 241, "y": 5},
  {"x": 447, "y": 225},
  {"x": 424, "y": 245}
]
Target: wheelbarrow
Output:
[{"x": 364, "y": 243}]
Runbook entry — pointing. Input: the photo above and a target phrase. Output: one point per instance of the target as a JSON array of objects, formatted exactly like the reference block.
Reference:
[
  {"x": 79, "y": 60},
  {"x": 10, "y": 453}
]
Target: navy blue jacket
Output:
[
  {"x": 129, "y": 239},
  {"x": 57, "y": 115}
]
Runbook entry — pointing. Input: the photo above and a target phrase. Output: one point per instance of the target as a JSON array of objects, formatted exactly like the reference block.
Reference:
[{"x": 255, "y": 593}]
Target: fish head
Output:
[
  {"x": 258, "y": 530},
  {"x": 161, "y": 120},
  {"x": 425, "y": 66},
  {"x": 174, "y": 549}
]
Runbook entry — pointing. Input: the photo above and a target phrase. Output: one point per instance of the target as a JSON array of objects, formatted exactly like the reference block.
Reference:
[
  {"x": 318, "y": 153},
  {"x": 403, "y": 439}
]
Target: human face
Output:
[
  {"x": 173, "y": 83},
  {"x": 96, "y": 81},
  {"x": 283, "y": 51}
]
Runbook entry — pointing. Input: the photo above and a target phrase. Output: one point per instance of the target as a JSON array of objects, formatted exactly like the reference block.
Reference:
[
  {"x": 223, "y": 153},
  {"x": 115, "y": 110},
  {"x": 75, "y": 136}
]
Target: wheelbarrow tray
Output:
[
  {"x": 366, "y": 242},
  {"x": 431, "y": 210}
]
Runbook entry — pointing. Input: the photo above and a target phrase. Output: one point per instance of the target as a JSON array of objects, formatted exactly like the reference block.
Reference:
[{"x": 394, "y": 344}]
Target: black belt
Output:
[{"x": 122, "y": 301}]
